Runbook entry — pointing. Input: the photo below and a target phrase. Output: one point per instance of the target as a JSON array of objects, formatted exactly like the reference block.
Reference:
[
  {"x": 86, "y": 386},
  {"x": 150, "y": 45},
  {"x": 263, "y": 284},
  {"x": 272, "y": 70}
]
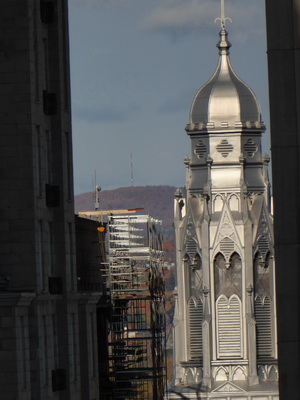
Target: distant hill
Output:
[{"x": 157, "y": 201}]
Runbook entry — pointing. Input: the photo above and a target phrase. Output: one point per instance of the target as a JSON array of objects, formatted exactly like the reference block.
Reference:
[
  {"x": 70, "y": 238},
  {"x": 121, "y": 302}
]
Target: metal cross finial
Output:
[{"x": 223, "y": 19}]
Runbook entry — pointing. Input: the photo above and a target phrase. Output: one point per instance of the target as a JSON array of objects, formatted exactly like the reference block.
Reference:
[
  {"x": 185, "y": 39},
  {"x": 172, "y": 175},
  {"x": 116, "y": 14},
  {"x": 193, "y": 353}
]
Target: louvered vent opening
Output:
[
  {"x": 263, "y": 245},
  {"x": 200, "y": 149},
  {"x": 229, "y": 327},
  {"x": 263, "y": 327},
  {"x": 227, "y": 246},
  {"x": 250, "y": 148},
  {"x": 191, "y": 248},
  {"x": 224, "y": 148},
  {"x": 196, "y": 318}
]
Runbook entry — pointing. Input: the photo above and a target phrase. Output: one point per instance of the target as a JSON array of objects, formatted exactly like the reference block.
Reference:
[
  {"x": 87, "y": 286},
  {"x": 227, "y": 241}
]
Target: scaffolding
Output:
[{"x": 137, "y": 362}]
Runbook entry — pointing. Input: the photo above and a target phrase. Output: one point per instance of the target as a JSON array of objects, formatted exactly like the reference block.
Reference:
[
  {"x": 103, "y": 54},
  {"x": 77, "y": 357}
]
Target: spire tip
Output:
[{"x": 223, "y": 19}]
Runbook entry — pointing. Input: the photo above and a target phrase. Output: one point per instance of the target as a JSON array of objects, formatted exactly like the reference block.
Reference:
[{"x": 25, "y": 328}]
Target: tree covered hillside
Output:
[{"x": 157, "y": 201}]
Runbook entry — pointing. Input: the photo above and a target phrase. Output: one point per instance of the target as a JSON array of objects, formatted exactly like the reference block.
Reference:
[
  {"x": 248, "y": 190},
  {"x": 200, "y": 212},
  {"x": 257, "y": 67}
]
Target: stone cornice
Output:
[{"x": 16, "y": 299}]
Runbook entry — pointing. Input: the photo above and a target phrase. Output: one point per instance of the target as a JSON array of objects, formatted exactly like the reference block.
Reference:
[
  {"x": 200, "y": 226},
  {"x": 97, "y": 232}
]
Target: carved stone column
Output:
[
  {"x": 206, "y": 335},
  {"x": 251, "y": 333}
]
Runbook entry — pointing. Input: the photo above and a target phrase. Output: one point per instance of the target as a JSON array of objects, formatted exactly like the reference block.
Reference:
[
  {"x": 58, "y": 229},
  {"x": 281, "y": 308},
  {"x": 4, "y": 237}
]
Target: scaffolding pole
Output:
[{"x": 137, "y": 342}]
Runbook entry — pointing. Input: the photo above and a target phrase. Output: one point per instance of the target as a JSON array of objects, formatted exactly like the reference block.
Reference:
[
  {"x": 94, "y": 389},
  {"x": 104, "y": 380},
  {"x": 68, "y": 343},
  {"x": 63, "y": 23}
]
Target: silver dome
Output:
[{"x": 225, "y": 101}]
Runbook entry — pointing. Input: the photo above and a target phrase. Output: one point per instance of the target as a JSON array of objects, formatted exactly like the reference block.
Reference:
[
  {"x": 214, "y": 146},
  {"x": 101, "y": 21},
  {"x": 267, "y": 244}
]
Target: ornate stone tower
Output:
[{"x": 225, "y": 318}]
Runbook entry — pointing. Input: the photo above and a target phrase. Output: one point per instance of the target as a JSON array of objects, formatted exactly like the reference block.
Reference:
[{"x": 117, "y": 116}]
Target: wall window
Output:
[
  {"x": 195, "y": 276},
  {"x": 228, "y": 278},
  {"x": 69, "y": 167},
  {"x": 55, "y": 341},
  {"x": 228, "y": 294},
  {"x": 48, "y": 157},
  {"x": 71, "y": 266},
  {"x": 234, "y": 203},
  {"x": 263, "y": 306},
  {"x": 195, "y": 307},
  {"x": 229, "y": 327},
  {"x": 73, "y": 349},
  {"x": 51, "y": 249},
  {"x": 262, "y": 275},
  {"x": 38, "y": 154},
  {"x": 40, "y": 256},
  {"x": 23, "y": 353},
  {"x": 45, "y": 361},
  {"x": 36, "y": 56},
  {"x": 46, "y": 64},
  {"x": 195, "y": 325},
  {"x": 92, "y": 345},
  {"x": 218, "y": 204},
  {"x": 65, "y": 55}
]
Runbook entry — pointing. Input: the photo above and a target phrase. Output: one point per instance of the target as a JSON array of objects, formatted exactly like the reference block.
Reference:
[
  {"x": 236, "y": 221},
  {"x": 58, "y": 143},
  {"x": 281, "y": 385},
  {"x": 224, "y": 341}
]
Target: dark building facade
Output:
[
  {"x": 91, "y": 281},
  {"x": 47, "y": 327},
  {"x": 283, "y": 40}
]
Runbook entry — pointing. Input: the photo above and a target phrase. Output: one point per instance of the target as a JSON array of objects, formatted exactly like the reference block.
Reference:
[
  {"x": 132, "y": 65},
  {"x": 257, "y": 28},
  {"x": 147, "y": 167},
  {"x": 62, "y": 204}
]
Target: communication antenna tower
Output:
[
  {"x": 97, "y": 202},
  {"x": 131, "y": 165}
]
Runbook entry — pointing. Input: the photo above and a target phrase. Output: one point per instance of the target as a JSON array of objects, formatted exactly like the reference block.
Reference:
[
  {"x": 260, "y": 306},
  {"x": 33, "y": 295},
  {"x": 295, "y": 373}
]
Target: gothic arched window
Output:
[
  {"x": 228, "y": 278},
  {"x": 229, "y": 327},
  {"x": 195, "y": 307},
  {"x": 218, "y": 204},
  {"x": 195, "y": 276},
  {"x": 262, "y": 275},
  {"x": 228, "y": 294},
  {"x": 263, "y": 306},
  {"x": 195, "y": 325},
  {"x": 234, "y": 203}
]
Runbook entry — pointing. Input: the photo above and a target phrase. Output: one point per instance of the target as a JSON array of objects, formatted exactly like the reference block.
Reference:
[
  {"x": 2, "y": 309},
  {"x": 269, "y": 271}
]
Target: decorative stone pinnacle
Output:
[
  {"x": 205, "y": 290},
  {"x": 250, "y": 289},
  {"x": 187, "y": 161},
  {"x": 209, "y": 160},
  {"x": 178, "y": 193}
]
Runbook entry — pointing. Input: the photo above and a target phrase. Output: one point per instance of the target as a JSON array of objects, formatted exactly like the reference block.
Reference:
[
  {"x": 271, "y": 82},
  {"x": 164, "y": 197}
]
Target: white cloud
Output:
[
  {"x": 102, "y": 3},
  {"x": 188, "y": 13},
  {"x": 179, "y": 17}
]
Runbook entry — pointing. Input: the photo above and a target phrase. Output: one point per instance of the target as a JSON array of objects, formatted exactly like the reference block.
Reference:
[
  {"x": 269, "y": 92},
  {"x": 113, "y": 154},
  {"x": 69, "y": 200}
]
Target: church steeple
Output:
[
  {"x": 225, "y": 101},
  {"x": 224, "y": 244}
]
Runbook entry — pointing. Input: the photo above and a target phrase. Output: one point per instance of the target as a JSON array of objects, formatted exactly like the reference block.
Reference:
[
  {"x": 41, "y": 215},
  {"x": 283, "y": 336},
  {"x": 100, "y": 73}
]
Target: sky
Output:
[{"x": 135, "y": 68}]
